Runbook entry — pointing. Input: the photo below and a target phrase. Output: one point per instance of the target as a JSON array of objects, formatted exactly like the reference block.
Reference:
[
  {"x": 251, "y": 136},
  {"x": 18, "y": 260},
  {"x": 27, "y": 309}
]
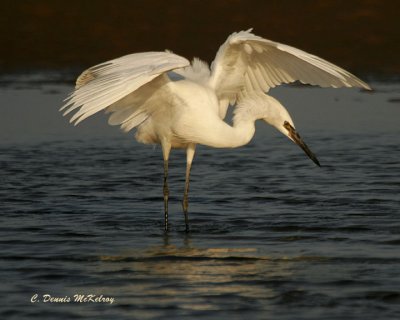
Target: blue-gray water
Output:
[{"x": 272, "y": 235}]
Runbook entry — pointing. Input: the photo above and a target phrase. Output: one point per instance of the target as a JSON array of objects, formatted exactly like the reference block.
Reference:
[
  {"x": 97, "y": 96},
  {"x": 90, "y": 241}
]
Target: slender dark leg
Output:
[
  {"x": 166, "y": 194},
  {"x": 166, "y": 150},
  {"x": 185, "y": 203}
]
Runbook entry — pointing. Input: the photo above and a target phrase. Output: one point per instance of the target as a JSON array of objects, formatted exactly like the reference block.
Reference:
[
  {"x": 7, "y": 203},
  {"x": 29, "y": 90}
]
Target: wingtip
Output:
[
  {"x": 74, "y": 122},
  {"x": 367, "y": 87},
  {"x": 357, "y": 82}
]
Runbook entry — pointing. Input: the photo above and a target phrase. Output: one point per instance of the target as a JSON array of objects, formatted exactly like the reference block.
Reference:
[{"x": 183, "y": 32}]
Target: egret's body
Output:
[{"x": 178, "y": 105}]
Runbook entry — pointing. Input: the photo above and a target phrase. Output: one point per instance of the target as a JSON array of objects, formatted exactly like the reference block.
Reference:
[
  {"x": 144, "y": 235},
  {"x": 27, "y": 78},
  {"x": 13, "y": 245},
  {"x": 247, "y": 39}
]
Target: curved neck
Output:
[
  {"x": 239, "y": 134},
  {"x": 250, "y": 109},
  {"x": 246, "y": 113},
  {"x": 226, "y": 136}
]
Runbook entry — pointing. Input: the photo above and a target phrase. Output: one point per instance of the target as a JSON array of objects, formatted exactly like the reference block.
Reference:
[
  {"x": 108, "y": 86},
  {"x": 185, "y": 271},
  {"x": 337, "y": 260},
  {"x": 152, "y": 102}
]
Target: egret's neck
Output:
[
  {"x": 241, "y": 132},
  {"x": 256, "y": 107},
  {"x": 225, "y": 136},
  {"x": 249, "y": 110},
  {"x": 243, "y": 128}
]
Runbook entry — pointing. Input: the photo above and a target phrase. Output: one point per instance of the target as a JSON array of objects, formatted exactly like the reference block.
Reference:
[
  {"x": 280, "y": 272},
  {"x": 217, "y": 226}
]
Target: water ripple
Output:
[{"x": 266, "y": 237}]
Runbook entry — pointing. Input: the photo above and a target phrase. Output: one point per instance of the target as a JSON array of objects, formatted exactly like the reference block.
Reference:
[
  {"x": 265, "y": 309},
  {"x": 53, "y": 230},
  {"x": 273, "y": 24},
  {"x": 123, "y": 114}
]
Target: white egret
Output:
[{"x": 179, "y": 104}]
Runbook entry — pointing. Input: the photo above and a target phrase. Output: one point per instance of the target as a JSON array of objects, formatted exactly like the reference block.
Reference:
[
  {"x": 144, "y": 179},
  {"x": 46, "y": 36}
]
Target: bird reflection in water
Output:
[{"x": 192, "y": 278}]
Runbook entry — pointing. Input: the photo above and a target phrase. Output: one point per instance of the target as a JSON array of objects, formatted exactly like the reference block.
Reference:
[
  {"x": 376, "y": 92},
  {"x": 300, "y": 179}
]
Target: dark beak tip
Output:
[{"x": 297, "y": 139}]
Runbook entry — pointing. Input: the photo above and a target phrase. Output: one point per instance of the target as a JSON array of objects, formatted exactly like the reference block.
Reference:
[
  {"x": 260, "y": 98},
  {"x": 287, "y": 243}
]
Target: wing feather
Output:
[
  {"x": 107, "y": 83},
  {"x": 260, "y": 77},
  {"x": 264, "y": 72},
  {"x": 248, "y": 62}
]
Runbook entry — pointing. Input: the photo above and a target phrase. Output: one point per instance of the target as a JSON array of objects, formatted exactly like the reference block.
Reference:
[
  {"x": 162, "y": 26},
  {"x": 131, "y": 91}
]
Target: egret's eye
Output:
[{"x": 287, "y": 126}]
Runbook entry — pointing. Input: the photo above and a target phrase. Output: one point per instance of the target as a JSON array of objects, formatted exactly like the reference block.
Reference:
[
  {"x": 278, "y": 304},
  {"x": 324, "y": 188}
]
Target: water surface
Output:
[{"x": 272, "y": 235}]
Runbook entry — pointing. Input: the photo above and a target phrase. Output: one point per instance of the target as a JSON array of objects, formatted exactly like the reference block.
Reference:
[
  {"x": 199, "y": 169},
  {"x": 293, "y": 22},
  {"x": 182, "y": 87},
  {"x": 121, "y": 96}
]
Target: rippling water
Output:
[{"x": 272, "y": 236}]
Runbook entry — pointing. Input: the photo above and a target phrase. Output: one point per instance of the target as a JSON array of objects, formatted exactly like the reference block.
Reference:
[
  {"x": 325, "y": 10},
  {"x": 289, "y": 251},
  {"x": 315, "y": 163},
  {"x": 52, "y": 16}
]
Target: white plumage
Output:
[{"x": 178, "y": 105}]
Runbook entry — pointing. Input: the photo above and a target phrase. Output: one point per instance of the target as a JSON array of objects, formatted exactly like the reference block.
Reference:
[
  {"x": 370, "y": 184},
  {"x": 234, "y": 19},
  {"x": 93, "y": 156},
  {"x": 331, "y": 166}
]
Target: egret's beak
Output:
[{"x": 292, "y": 134}]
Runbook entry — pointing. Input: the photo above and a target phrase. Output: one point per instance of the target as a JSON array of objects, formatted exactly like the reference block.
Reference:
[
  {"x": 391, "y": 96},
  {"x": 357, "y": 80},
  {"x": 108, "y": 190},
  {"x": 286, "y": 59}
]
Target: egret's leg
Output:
[
  {"x": 185, "y": 203},
  {"x": 166, "y": 149},
  {"x": 166, "y": 194}
]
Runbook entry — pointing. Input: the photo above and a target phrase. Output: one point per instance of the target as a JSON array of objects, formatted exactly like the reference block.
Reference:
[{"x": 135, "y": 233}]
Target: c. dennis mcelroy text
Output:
[{"x": 76, "y": 298}]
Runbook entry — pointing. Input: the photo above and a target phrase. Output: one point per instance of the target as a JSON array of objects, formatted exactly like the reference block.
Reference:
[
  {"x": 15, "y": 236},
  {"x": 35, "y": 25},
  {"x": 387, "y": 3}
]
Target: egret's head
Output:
[
  {"x": 279, "y": 117},
  {"x": 292, "y": 134}
]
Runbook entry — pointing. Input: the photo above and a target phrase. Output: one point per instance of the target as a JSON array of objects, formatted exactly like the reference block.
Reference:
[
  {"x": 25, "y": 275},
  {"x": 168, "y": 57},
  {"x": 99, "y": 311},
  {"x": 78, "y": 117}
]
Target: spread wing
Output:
[
  {"x": 109, "y": 83},
  {"x": 246, "y": 62}
]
